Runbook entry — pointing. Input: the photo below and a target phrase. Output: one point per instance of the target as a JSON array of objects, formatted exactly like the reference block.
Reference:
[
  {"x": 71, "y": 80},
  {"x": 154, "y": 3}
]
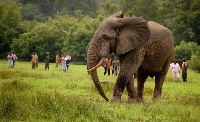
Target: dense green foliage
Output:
[
  {"x": 52, "y": 95},
  {"x": 195, "y": 63},
  {"x": 60, "y": 26},
  {"x": 189, "y": 51},
  {"x": 10, "y": 17},
  {"x": 186, "y": 50},
  {"x": 61, "y": 34}
]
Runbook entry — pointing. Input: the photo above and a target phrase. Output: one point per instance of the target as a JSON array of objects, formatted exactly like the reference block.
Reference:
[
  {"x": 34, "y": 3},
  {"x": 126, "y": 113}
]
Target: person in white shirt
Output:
[
  {"x": 64, "y": 65},
  {"x": 175, "y": 70},
  {"x": 10, "y": 60}
]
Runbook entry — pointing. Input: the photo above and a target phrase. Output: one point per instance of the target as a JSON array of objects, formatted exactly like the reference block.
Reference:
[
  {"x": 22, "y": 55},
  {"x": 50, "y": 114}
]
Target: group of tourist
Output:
[
  {"x": 108, "y": 64},
  {"x": 64, "y": 61},
  {"x": 11, "y": 59},
  {"x": 175, "y": 67}
]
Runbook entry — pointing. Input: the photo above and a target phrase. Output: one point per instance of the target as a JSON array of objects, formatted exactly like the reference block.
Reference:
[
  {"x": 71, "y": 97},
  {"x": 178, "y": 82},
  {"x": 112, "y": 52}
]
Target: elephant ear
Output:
[{"x": 133, "y": 34}]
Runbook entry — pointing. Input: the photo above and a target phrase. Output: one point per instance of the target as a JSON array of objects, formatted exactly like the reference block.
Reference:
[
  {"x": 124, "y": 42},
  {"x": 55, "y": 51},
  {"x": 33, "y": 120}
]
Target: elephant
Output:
[{"x": 145, "y": 47}]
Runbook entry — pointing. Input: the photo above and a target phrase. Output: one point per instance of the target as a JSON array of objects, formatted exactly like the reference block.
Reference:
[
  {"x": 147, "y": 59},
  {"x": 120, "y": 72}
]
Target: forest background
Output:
[{"x": 60, "y": 26}]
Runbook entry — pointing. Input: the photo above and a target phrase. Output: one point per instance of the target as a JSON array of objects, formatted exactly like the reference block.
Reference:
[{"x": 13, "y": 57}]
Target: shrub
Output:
[
  {"x": 186, "y": 50},
  {"x": 194, "y": 63}
]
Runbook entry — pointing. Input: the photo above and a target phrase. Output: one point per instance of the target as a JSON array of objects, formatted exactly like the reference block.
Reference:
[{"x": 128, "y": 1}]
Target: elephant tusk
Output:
[
  {"x": 95, "y": 67},
  {"x": 98, "y": 65}
]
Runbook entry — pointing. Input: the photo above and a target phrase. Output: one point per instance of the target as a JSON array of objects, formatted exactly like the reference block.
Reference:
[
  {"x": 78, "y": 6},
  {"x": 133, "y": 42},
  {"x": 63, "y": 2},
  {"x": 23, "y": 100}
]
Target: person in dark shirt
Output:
[{"x": 47, "y": 61}]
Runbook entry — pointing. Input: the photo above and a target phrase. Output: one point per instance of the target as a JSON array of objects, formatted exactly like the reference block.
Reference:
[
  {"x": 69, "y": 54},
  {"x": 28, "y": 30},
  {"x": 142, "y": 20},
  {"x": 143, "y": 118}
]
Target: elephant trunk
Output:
[{"x": 91, "y": 63}]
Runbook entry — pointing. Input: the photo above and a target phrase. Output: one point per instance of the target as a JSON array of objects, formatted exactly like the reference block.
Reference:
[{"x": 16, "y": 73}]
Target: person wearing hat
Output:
[{"x": 184, "y": 70}]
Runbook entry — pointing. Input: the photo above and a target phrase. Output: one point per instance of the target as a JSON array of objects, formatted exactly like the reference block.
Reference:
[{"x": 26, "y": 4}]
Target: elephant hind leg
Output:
[
  {"x": 159, "y": 79},
  {"x": 141, "y": 78}
]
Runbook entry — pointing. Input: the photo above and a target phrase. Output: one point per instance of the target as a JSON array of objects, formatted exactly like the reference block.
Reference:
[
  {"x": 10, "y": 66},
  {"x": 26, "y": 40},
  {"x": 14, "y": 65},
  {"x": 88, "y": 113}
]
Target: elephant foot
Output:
[
  {"x": 132, "y": 100},
  {"x": 155, "y": 99},
  {"x": 135, "y": 100},
  {"x": 116, "y": 99}
]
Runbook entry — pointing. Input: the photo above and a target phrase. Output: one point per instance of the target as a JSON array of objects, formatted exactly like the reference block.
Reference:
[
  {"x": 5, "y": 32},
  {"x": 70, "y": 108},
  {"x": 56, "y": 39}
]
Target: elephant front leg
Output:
[
  {"x": 119, "y": 88},
  {"x": 131, "y": 91}
]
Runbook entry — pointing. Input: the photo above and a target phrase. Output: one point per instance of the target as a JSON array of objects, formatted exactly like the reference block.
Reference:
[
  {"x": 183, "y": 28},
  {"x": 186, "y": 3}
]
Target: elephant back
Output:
[{"x": 159, "y": 48}]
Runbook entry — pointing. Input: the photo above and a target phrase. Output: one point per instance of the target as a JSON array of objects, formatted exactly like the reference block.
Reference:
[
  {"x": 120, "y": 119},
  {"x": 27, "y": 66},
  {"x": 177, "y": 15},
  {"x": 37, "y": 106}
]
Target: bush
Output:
[
  {"x": 195, "y": 63},
  {"x": 186, "y": 50}
]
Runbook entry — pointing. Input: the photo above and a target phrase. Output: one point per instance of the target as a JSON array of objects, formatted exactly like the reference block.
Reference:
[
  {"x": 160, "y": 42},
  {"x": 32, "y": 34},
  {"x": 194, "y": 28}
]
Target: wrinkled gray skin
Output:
[{"x": 143, "y": 47}]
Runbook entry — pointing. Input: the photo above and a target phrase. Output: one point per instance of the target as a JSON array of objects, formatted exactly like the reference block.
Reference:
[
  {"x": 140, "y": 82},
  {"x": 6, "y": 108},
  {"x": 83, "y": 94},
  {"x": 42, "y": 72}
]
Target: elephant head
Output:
[{"x": 115, "y": 34}]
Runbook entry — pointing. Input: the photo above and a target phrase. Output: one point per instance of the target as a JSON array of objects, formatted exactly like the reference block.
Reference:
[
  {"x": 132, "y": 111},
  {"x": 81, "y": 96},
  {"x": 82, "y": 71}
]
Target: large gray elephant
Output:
[{"x": 143, "y": 47}]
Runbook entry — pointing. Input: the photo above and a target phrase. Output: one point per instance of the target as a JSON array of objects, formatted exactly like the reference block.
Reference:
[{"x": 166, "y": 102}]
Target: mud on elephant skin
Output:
[{"x": 143, "y": 47}]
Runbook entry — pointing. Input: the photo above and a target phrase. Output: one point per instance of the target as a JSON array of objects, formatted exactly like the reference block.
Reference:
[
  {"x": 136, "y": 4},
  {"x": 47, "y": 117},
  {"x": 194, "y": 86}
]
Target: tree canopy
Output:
[{"x": 59, "y": 26}]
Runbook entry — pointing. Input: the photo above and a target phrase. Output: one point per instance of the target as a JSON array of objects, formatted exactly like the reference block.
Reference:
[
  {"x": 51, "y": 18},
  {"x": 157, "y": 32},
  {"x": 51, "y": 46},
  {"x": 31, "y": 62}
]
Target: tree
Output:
[
  {"x": 182, "y": 19},
  {"x": 31, "y": 12},
  {"x": 62, "y": 34},
  {"x": 79, "y": 35},
  {"x": 106, "y": 9},
  {"x": 42, "y": 38},
  {"x": 140, "y": 8},
  {"x": 10, "y": 17},
  {"x": 49, "y": 8}
]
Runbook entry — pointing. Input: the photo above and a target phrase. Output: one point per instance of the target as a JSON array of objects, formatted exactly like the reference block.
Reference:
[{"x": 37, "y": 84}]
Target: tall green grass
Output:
[{"x": 53, "y": 95}]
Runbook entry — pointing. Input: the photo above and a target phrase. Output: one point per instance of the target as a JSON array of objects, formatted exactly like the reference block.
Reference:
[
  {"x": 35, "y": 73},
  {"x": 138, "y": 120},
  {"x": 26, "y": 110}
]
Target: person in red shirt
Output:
[{"x": 108, "y": 64}]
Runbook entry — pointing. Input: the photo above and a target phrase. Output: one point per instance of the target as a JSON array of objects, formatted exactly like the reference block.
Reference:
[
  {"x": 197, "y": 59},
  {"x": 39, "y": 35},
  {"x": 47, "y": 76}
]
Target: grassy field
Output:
[{"x": 52, "y": 95}]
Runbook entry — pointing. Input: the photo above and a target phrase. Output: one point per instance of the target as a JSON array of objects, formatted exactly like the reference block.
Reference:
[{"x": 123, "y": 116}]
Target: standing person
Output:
[
  {"x": 37, "y": 60},
  {"x": 175, "y": 70},
  {"x": 14, "y": 58},
  {"x": 108, "y": 65},
  {"x": 64, "y": 64},
  {"x": 68, "y": 60},
  {"x": 115, "y": 65},
  {"x": 104, "y": 66},
  {"x": 33, "y": 60},
  {"x": 47, "y": 61},
  {"x": 185, "y": 66},
  {"x": 57, "y": 60},
  {"x": 10, "y": 60},
  {"x": 60, "y": 60}
]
